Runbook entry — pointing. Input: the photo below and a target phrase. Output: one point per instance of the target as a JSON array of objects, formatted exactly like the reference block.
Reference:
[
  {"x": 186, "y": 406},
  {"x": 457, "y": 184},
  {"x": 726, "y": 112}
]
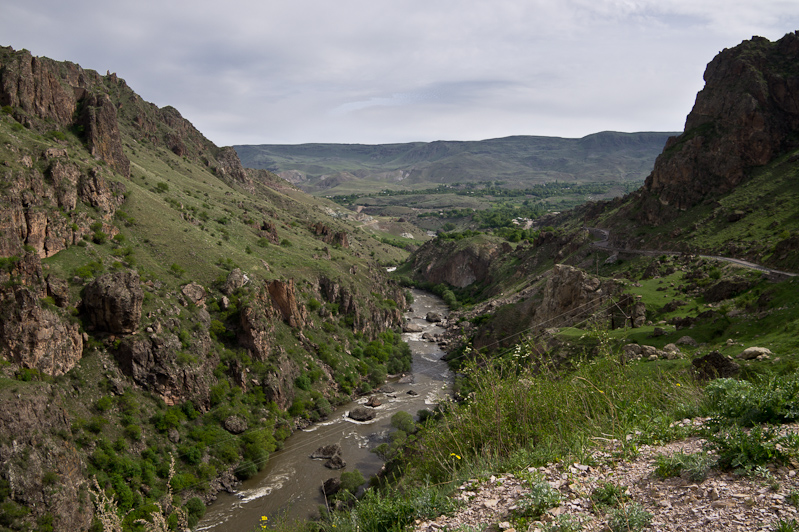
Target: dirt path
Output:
[{"x": 604, "y": 244}]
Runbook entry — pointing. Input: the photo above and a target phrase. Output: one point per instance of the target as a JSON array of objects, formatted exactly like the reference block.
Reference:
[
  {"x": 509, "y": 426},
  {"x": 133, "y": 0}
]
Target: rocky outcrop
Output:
[
  {"x": 268, "y": 231},
  {"x": 570, "y": 294},
  {"x": 456, "y": 263},
  {"x": 726, "y": 289},
  {"x": 113, "y": 302},
  {"x": 331, "y": 236},
  {"x": 229, "y": 168},
  {"x": 256, "y": 335},
  {"x": 565, "y": 296},
  {"x": 40, "y": 88},
  {"x": 97, "y": 191},
  {"x": 27, "y": 216},
  {"x": 151, "y": 361},
  {"x": 746, "y": 115},
  {"x": 98, "y": 117},
  {"x": 285, "y": 300},
  {"x": 236, "y": 279},
  {"x": 45, "y": 474},
  {"x": 369, "y": 316},
  {"x": 34, "y": 336},
  {"x": 195, "y": 293}
]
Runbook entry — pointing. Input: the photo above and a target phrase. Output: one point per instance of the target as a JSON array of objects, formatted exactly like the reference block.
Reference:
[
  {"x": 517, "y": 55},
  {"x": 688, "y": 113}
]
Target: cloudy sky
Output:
[{"x": 378, "y": 71}]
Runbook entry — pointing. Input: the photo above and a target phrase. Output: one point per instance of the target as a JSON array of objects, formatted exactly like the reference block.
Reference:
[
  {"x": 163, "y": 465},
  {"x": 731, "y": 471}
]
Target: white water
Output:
[{"x": 289, "y": 485}]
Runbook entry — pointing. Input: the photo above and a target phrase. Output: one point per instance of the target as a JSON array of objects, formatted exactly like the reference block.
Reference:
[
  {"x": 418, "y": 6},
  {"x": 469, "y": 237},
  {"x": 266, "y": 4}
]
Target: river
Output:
[{"x": 289, "y": 485}]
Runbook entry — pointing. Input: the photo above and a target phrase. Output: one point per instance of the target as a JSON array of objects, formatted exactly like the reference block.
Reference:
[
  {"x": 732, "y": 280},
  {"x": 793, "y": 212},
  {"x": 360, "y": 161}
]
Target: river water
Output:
[{"x": 289, "y": 487}]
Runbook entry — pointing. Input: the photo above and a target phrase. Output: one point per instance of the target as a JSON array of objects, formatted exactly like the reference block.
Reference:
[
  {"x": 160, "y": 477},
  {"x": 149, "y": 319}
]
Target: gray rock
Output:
[
  {"x": 331, "y": 486},
  {"x": 336, "y": 462},
  {"x": 235, "y": 424},
  {"x": 327, "y": 451},
  {"x": 687, "y": 340},
  {"x": 715, "y": 365},
  {"x": 113, "y": 302},
  {"x": 194, "y": 293},
  {"x": 433, "y": 317},
  {"x": 754, "y": 352},
  {"x": 362, "y": 414},
  {"x": 235, "y": 280}
]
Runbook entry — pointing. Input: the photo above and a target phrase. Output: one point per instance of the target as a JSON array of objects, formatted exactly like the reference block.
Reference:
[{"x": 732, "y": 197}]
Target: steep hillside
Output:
[
  {"x": 725, "y": 187},
  {"x": 158, "y": 299},
  {"x": 737, "y": 157},
  {"x": 518, "y": 161}
]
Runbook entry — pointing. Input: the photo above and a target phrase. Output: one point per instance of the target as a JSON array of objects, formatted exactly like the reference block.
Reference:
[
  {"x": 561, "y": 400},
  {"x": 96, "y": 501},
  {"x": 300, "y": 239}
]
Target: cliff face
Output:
[
  {"x": 43, "y": 89},
  {"x": 457, "y": 264},
  {"x": 746, "y": 115}
]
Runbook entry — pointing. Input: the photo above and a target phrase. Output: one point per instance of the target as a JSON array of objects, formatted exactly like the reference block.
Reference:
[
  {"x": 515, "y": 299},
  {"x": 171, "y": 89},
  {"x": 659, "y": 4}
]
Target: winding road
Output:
[{"x": 604, "y": 243}]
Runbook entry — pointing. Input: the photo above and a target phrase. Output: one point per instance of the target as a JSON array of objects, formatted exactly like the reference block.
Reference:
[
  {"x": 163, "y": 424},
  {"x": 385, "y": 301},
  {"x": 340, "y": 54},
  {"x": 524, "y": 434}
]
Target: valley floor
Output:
[{"x": 722, "y": 502}]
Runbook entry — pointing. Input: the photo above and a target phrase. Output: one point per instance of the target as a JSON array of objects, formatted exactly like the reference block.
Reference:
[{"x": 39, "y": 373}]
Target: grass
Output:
[
  {"x": 694, "y": 467},
  {"x": 517, "y": 414}
]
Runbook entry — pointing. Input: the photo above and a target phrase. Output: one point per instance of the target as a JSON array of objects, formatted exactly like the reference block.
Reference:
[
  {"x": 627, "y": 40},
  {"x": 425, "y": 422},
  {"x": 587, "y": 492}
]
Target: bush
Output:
[
  {"x": 246, "y": 470},
  {"x": 629, "y": 518},
  {"x": 768, "y": 400},
  {"x": 403, "y": 421},
  {"x": 609, "y": 495},
  {"x": 694, "y": 467},
  {"x": 351, "y": 481},
  {"x": 742, "y": 450},
  {"x": 539, "y": 498}
]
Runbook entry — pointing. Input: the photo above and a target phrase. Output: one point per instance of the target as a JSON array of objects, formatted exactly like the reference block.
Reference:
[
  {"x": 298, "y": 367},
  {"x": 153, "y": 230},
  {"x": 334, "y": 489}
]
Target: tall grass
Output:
[{"x": 515, "y": 413}]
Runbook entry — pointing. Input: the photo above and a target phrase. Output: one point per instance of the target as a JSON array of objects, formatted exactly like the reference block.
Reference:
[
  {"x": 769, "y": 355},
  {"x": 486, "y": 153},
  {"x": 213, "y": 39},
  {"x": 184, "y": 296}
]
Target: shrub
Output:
[
  {"x": 539, "y": 498},
  {"x": 629, "y": 518},
  {"x": 351, "y": 481},
  {"x": 767, "y": 400},
  {"x": 694, "y": 466},
  {"x": 742, "y": 450},
  {"x": 133, "y": 432},
  {"x": 103, "y": 404},
  {"x": 246, "y": 470},
  {"x": 403, "y": 421},
  {"x": 609, "y": 495}
]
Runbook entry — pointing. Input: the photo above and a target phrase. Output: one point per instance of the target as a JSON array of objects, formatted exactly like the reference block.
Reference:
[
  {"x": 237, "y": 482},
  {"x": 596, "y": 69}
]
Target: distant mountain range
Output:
[{"x": 517, "y": 161}]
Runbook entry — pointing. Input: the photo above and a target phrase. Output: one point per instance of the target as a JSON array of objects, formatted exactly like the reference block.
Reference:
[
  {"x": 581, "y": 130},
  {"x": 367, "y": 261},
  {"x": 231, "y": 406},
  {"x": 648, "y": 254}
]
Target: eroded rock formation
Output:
[
  {"x": 456, "y": 264},
  {"x": 113, "y": 302},
  {"x": 746, "y": 115},
  {"x": 331, "y": 236},
  {"x": 34, "y": 336}
]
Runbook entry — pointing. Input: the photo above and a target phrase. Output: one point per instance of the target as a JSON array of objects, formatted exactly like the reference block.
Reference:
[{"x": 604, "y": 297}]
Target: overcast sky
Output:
[{"x": 377, "y": 71}]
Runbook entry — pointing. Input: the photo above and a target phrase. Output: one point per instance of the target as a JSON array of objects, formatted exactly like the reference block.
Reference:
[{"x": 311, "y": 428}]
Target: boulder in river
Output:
[
  {"x": 331, "y": 486},
  {"x": 362, "y": 414},
  {"x": 374, "y": 402},
  {"x": 409, "y": 327},
  {"x": 327, "y": 451},
  {"x": 433, "y": 317},
  {"x": 336, "y": 462}
]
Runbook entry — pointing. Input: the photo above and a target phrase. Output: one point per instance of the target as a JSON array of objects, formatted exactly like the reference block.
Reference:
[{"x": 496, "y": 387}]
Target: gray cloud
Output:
[{"x": 245, "y": 71}]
